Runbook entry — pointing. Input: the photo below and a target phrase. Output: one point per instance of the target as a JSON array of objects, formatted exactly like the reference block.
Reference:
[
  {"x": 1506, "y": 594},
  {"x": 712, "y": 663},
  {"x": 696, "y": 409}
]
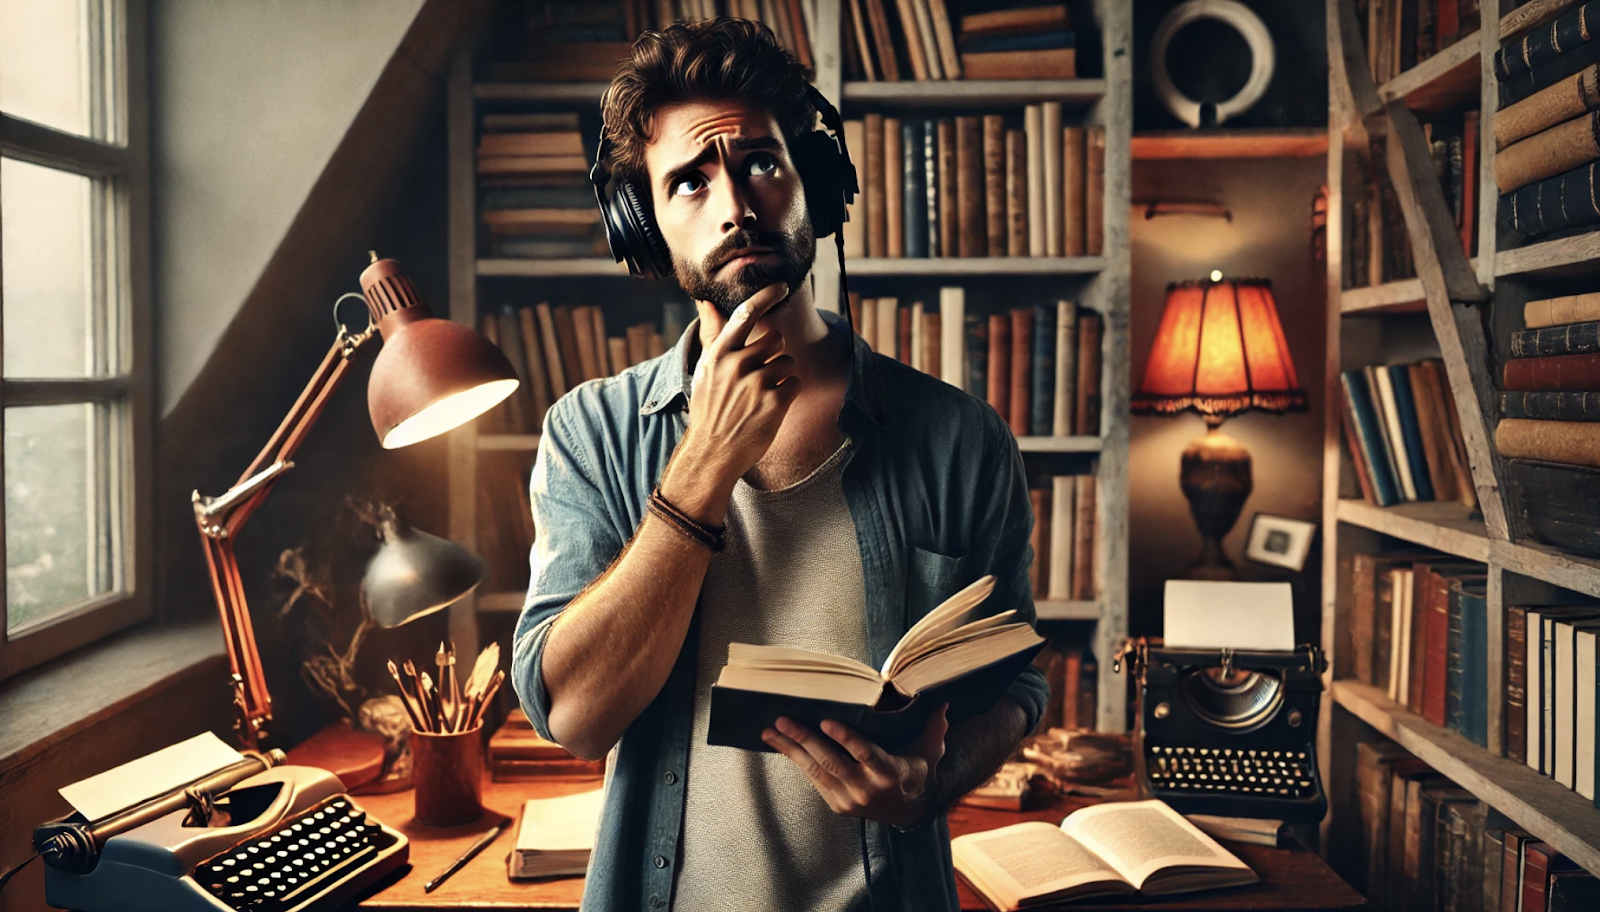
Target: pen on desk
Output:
[{"x": 466, "y": 856}]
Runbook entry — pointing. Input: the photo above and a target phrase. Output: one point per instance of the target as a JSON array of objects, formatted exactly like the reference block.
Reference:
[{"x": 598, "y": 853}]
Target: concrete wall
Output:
[
  {"x": 248, "y": 102},
  {"x": 1270, "y": 236}
]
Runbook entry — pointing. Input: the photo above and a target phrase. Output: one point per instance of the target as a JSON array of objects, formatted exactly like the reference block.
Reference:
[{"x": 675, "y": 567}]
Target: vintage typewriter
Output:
[
  {"x": 255, "y": 835},
  {"x": 1229, "y": 733}
]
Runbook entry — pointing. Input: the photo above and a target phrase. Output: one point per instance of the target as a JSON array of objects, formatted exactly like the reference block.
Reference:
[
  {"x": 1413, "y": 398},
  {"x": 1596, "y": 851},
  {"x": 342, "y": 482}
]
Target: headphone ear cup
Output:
[
  {"x": 631, "y": 231},
  {"x": 816, "y": 157}
]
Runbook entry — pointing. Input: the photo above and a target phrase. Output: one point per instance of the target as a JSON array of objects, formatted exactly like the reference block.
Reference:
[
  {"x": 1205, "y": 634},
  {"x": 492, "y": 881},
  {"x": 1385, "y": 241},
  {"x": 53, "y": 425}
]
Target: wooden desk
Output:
[{"x": 1291, "y": 880}]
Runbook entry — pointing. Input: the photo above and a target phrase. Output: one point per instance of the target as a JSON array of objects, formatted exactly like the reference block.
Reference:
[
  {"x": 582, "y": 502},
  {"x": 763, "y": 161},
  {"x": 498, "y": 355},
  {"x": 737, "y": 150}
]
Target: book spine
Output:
[
  {"x": 1493, "y": 853},
  {"x": 914, "y": 193},
  {"x": 1368, "y": 436},
  {"x": 945, "y": 37},
  {"x": 1568, "y": 442},
  {"x": 1516, "y": 696},
  {"x": 893, "y": 179},
  {"x": 1363, "y": 591},
  {"x": 952, "y": 329},
  {"x": 1543, "y": 45},
  {"x": 976, "y": 377},
  {"x": 1016, "y": 193},
  {"x": 1032, "y": 116},
  {"x": 914, "y": 52},
  {"x": 931, "y": 344},
  {"x": 1572, "y": 339},
  {"x": 869, "y": 323},
  {"x": 1418, "y": 657},
  {"x": 1043, "y": 372},
  {"x": 583, "y": 332},
  {"x": 994, "y": 184},
  {"x": 617, "y": 353},
  {"x": 1535, "y": 875},
  {"x": 1083, "y": 536},
  {"x": 1378, "y": 381},
  {"x": 1556, "y": 150},
  {"x": 1454, "y": 672},
  {"x": 1363, "y": 476},
  {"x": 1066, "y": 380},
  {"x": 1039, "y": 542},
  {"x": 949, "y": 217},
  {"x": 970, "y": 193},
  {"x": 1559, "y": 103},
  {"x": 1436, "y": 641},
  {"x": 1429, "y": 431},
  {"x": 549, "y": 337},
  {"x": 1062, "y": 513},
  {"x": 1582, "y": 308},
  {"x": 597, "y": 332},
  {"x": 566, "y": 334},
  {"x": 1087, "y": 407},
  {"x": 915, "y": 355},
  {"x": 1074, "y": 164},
  {"x": 1051, "y": 63},
  {"x": 857, "y": 212},
  {"x": 888, "y": 336},
  {"x": 1385, "y": 647},
  {"x": 883, "y": 43},
  {"x": 873, "y": 186},
  {"x": 1094, "y": 193},
  {"x": 930, "y": 183},
  {"x": 999, "y": 367},
  {"x": 1372, "y": 794},
  {"x": 1553, "y": 204},
  {"x": 1406, "y": 410},
  {"x": 1550, "y": 405},
  {"x": 1020, "y": 416},
  {"x": 1050, "y": 129},
  {"x": 903, "y": 341}
]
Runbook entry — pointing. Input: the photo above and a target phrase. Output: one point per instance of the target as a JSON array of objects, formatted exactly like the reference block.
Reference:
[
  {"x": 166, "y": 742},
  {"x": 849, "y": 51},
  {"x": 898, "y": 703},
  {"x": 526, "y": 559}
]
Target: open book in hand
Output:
[
  {"x": 951, "y": 655},
  {"x": 1109, "y": 849}
]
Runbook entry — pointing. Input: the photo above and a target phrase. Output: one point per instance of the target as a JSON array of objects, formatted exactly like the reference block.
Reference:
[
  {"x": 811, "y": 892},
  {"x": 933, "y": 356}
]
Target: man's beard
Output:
[{"x": 796, "y": 249}]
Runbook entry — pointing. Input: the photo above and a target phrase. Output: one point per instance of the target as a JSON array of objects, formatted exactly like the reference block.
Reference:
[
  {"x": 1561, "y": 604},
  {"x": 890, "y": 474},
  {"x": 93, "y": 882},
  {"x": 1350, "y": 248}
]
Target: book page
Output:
[
  {"x": 951, "y": 613},
  {"x": 788, "y": 658},
  {"x": 560, "y": 824},
  {"x": 823, "y": 685},
  {"x": 957, "y": 659},
  {"x": 1139, "y": 838},
  {"x": 1027, "y": 860},
  {"x": 910, "y": 655}
]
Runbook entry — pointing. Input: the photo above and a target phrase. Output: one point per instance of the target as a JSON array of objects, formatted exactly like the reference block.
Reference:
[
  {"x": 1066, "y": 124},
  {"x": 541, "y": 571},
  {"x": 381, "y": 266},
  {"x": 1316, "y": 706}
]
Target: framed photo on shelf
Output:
[{"x": 1279, "y": 541}]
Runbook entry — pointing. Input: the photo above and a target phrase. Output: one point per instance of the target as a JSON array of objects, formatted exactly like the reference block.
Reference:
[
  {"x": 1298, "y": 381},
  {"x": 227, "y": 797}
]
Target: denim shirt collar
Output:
[{"x": 671, "y": 384}]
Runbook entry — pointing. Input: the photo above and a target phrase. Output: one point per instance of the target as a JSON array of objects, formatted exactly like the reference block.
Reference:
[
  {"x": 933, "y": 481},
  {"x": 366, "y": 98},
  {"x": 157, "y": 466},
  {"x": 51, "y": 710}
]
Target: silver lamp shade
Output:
[{"x": 415, "y": 573}]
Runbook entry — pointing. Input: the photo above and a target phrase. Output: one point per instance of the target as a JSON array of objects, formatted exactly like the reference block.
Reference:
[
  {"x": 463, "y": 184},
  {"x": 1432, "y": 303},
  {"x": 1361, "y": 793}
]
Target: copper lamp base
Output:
[{"x": 1215, "y": 477}]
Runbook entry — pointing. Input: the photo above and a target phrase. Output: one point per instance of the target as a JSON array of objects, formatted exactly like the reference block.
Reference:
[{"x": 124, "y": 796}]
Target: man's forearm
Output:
[{"x": 977, "y": 747}]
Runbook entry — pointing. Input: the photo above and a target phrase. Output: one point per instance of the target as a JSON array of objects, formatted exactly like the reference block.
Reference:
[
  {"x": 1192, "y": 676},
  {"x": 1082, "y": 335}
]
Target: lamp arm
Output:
[{"x": 220, "y": 519}]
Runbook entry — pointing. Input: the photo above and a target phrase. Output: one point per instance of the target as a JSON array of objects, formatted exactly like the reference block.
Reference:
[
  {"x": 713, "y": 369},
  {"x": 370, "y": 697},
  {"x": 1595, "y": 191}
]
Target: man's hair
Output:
[{"x": 710, "y": 60}]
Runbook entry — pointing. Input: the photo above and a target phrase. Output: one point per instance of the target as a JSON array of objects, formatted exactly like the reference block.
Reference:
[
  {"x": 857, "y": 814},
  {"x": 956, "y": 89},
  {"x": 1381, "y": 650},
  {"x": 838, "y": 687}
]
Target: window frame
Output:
[{"x": 124, "y": 379}]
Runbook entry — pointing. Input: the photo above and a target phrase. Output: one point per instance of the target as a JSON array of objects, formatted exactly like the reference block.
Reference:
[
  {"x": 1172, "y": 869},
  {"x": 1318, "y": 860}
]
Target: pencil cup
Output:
[{"x": 448, "y": 772}]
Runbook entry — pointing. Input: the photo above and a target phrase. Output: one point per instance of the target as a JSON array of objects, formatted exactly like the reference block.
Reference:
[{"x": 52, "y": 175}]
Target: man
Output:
[{"x": 855, "y": 493}]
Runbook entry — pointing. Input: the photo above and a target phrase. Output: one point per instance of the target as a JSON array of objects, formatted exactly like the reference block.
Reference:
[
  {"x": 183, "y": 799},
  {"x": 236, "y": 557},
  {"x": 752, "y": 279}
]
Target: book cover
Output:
[
  {"x": 1378, "y": 381},
  {"x": 1471, "y": 607},
  {"x": 1515, "y": 721},
  {"x": 952, "y": 329},
  {"x": 930, "y": 44},
  {"x": 597, "y": 332},
  {"x": 999, "y": 366},
  {"x": 914, "y": 355},
  {"x": 914, "y": 193},
  {"x": 1043, "y": 369},
  {"x": 1363, "y": 616},
  {"x": 553, "y": 349},
  {"x": 1516, "y": 842},
  {"x": 932, "y": 347},
  {"x": 940, "y": 15},
  {"x": 1429, "y": 431},
  {"x": 1569, "y": 98},
  {"x": 1583, "y": 709},
  {"x": 893, "y": 177},
  {"x": 869, "y": 323},
  {"x": 566, "y": 335},
  {"x": 1553, "y": 204},
  {"x": 970, "y": 194},
  {"x": 976, "y": 377},
  {"x": 1083, "y": 532},
  {"x": 1466, "y": 491},
  {"x": 1087, "y": 406},
  {"x": 1557, "y": 149},
  {"x": 904, "y": 342},
  {"x": 887, "y": 339},
  {"x": 1453, "y": 478},
  {"x": 1039, "y": 542},
  {"x": 1368, "y": 436},
  {"x": 1551, "y": 405},
  {"x": 1066, "y": 379},
  {"x": 1050, "y": 129},
  {"x": 1406, "y": 414},
  {"x": 1543, "y": 45},
  {"x": 1074, "y": 187},
  {"x": 994, "y": 185},
  {"x": 1020, "y": 417},
  {"x": 1570, "y": 339},
  {"x": 1358, "y": 465},
  {"x": 872, "y": 185},
  {"x": 1567, "y": 442},
  {"x": 1016, "y": 193},
  {"x": 1063, "y": 513},
  {"x": 1032, "y": 122},
  {"x": 1094, "y": 194},
  {"x": 907, "y": 28},
  {"x": 1572, "y": 891},
  {"x": 949, "y": 218},
  {"x": 882, "y": 41},
  {"x": 1014, "y": 21}
]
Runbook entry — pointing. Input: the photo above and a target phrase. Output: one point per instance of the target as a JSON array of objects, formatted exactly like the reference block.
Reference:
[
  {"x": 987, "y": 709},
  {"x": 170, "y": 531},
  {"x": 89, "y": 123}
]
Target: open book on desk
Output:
[
  {"x": 951, "y": 655},
  {"x": 1106, "y": 850}
]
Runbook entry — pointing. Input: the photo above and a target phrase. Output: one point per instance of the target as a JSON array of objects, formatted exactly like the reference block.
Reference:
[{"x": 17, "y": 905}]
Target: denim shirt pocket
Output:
[{"x": 931, "y": 578}]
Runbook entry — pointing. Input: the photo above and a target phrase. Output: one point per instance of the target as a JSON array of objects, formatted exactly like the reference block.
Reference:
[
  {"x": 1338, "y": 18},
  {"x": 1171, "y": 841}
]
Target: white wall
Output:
[{"x": 248, "y": 101}]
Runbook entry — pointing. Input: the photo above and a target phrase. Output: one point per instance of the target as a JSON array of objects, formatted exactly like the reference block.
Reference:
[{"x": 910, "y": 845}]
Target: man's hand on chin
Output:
[{"x": 862, "y": 779}]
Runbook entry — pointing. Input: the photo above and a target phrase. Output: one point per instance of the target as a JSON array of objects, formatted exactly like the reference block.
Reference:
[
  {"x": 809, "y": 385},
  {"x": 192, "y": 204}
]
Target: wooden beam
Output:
[
  {"x": 1196, "y": 144},
  {"x": 1448, "y": 277},
  {"x": 1353, "y": 57}
]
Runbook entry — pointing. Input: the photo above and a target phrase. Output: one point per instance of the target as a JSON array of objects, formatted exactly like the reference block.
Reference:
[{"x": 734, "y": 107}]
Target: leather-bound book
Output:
[
  {"x": 1020, "y": 416},
  {"x": 1570, "y": 339},
  {"x": 1543, "y": 45},
  {"x": 999, "y": 366},
  {"x": 976, "y": 338},
  {"x": 1043, "y": 63},
  {"x": 1074, "y": 163},
  {"x": 894, "y": 184},
  {"x": 1542, "y": 110},
  {"x": 994, "y": 184},
  {"x": 1540, "y": 860},
  {"x": 915, "y": 53},
  {"x": 855, "y": 229},
  {"x": 1062, "y": 422},
  {"x": 1569, "y": 442},
  {"x": 1435, "y": 643},
  {"x": 1552, "y": 405},
  {"x": 1516, "y": 698},
  {"x": 882, "y": 41},
  {"x": 1050, "y": 130},
  {"x": 583, "y": 333},
  {"x": 571, "y": 363},
  {"x": 1016, "y": 193},
  {"x": 1039, "y": 568},
  {"x": 949, "y": 218},
  {"x": 930, "y": 183},
  {"x": 1579, "y": 308},
  {"x": 873, "y": 184},
  {"x": 914, "y": 189},
  {"x": 970, "y": 197},
  {"x": 1560, "y": 148},
  {"x": 1043, "y": 371},
  {"x": 538, "y": 373},
  {"x": 1094, "y": 194},
  {"x": 1363, "y": 616},
  {"x": 1032, "y": 121},
  {"x": 903, "y": 349},
  {"x": 1553, "y": 204},
  {"x": 1083, "y": 536},
  {"x": 914, "y": 358},
  {"x": 953, "y": 335},
  {"x": 1516, "y": 842},
  {"x": 1088, "y": 392},
  {"x": 1557, "y": 372},
  {"x": 554, "y": 351},
  {"x": 1062, "y": 512},
  {"x": 932, "y": 347}
]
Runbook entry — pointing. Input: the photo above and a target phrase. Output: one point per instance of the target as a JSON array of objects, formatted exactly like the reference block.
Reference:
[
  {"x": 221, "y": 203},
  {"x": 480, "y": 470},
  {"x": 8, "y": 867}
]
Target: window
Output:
[{"x": 75, "y": 384}]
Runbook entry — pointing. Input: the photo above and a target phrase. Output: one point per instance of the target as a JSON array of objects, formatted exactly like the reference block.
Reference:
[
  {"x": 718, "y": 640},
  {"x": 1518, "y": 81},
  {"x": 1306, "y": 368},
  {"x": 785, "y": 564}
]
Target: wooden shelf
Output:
[
  {"x": 960, "y": 93},
  {"x": 526, "y": 268},
  {"x": 1441, "y": 524},
  {"x": 1538, "y": 804},
  {"x": 1446, "y": 80},
  {"x": 524, "y": 443},
  {"x": 1067, "y": 611},
  {"x": 547, "y": 92},
  {"x": 1077, "y": 444},
  {"x": 1404, "y": 296},
  {"x": 1167, "y": 145},
  {"x": 1580, "y": 253},
  {"x": 1569, "y": 571},
  {"x": 964, "y": 266}
]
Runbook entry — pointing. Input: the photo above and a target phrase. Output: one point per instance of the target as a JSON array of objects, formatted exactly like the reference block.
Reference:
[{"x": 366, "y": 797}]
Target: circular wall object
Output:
[{"x": 1241, "y": 19}]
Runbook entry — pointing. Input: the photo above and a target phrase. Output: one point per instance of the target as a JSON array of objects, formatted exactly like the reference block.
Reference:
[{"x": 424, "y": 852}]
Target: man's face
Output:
[{"x": 728, "y": 201}]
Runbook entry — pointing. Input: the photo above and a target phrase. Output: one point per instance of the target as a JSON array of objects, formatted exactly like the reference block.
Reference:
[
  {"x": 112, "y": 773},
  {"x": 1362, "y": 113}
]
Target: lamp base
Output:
[{"x": 1215, "y": 477}]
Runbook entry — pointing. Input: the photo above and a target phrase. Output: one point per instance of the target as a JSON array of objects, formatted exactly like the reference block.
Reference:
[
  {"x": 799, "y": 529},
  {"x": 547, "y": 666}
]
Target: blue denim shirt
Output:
[{"x": 936, "y": 488}]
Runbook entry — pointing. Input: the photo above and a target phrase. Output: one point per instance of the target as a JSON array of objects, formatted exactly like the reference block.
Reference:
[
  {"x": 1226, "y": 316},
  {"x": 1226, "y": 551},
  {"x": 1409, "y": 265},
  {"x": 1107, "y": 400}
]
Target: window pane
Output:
[
  {"x": 45, "y": 237},
  {"x": 59, "y": 537},
  {"x": 44, "y": 63}
]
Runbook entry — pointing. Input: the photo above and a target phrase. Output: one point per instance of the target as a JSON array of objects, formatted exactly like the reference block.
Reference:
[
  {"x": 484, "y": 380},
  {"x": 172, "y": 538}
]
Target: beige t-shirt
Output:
[{"x": 756, "y": 835}]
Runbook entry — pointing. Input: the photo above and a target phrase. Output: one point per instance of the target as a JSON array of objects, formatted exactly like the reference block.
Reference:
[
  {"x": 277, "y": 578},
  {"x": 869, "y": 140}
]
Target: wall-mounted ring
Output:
[{"x": 1250, "y": 28}]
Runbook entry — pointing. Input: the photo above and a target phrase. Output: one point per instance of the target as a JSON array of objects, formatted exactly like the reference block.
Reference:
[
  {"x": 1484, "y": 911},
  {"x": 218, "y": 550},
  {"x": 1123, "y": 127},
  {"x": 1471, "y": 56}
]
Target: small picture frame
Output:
[{"x": 1280, "y": 541}]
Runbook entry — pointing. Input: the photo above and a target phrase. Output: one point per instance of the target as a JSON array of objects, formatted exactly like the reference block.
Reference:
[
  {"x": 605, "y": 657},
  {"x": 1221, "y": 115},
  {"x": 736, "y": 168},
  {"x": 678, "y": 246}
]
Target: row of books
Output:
[
  {"x": 1544, "y": 130},
  {"x": 505, "y": 519},
  {"x": 533, "y": 175},
  {"x": 1038, "y": 366},
  {"x": 1427, "y": 844},
  {"x": 970, "y": 186},
  {"x": 553, "y": 349},
  {"x": 1404, "y": 434},
  {"x": 1419, "y": 632},
  {"x": 1549, "y": 427},
  {"x": 1063, "y": 538},
  {"x": 890, "y": 41},
  {"x": 1074, "y": 679},
  {"x": 1403, "y": 33},
  {"x": 1379, "y": 248}
]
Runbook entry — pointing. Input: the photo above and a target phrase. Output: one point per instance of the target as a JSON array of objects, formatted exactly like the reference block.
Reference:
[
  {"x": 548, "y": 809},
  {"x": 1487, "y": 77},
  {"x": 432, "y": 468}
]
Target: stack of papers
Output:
[{"x": 555, "y": 836}]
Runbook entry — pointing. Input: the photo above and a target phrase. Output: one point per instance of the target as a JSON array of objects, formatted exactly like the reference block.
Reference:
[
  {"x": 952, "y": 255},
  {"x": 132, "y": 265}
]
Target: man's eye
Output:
[
  {"x": 761, "y": 163},
  {"x": 688, "y": 184}
]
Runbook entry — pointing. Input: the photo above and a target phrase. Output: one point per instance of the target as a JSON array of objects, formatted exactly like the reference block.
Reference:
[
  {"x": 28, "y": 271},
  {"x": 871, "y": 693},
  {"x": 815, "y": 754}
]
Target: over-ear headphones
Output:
[{"x": 822, "y": 160}]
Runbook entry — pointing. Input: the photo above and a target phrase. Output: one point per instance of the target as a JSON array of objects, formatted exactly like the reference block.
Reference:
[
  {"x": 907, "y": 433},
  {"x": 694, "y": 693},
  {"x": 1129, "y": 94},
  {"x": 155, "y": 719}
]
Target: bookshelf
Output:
[
  {"x": 1450, "y": 293},
  {"x": 1099, "y": 283}
]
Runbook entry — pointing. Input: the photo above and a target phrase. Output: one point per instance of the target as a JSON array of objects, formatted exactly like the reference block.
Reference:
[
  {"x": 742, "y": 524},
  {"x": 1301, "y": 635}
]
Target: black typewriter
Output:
[{"x": 1229, "y": 733}]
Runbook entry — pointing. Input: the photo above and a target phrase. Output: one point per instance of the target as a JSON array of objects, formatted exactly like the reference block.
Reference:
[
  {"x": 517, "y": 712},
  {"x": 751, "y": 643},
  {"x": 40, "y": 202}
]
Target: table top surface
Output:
[{"x": 1291, "y": 879}]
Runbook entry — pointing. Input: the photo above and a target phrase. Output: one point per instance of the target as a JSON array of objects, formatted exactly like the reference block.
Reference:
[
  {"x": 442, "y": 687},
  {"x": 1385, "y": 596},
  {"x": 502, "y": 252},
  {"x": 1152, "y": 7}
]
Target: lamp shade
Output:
[
  {"x": 1219, "y": 351},
  {"x": 415, "y": 574},
  {"x": 431, "y": 374}
]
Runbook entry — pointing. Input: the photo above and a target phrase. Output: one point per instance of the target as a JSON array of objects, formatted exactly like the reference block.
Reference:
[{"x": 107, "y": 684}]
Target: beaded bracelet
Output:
[{"x": 713, "y": 537}]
